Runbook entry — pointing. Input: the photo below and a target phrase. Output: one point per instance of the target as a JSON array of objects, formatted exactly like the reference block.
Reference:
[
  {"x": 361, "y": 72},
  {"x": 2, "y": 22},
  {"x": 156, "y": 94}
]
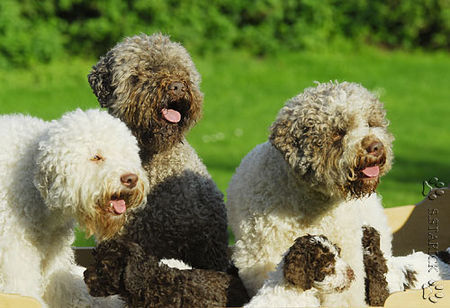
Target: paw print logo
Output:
[
  {"x": 433, "y": 291},
  {"x": 429, "y": 185}
]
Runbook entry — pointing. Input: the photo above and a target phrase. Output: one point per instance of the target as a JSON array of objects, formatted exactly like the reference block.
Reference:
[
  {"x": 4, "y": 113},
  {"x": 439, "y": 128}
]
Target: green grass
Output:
[{"x": 243, "y": 95}]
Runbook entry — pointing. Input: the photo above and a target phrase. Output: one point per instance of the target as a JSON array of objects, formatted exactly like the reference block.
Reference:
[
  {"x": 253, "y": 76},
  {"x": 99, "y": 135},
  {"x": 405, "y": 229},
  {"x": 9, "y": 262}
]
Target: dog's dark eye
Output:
[
  {"x": 338, "y": 135},
  {"x": 97, "y": 158},
  {"x": 134, "y": 79}
]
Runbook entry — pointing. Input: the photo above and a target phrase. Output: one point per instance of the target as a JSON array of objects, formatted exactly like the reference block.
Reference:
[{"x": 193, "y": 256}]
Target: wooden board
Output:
[
  {"x": 422, "y": 227},
  {"x": 17, "y": 301},
  {"x": 435, "y": 295}
]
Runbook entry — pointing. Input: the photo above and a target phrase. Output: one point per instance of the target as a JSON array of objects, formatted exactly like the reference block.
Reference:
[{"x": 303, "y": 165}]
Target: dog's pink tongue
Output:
[
  {"x": 171, "y": 115},
  {"x": 371, "y": 172},
  {"x": 119, "y": 206}
]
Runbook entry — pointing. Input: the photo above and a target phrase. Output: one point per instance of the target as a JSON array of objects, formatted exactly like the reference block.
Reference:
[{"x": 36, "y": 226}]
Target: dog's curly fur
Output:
[
  {"x": 375, "y": 267},
  {"x": 309, "y": 271},
  {"x": 310, "y": 260},
  {"x": 84, "y": 167},
  {"x": 142, "y": 280},
  {"x": 139, "y": 80},
  {"x": 317, "y": 174}
]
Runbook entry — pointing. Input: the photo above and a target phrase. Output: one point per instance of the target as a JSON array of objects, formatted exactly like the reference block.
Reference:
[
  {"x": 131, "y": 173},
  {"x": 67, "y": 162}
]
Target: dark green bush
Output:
[
  {"x": 39, "y": 30},
  {"x": 29, "y": 32}
]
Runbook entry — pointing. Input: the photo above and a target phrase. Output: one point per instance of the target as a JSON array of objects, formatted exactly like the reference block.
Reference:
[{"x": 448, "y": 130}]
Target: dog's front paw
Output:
[
  {"x": 95, "y": 283},
  {"x": 103, "y": 278},
  {"x": 313, "y": 261}
]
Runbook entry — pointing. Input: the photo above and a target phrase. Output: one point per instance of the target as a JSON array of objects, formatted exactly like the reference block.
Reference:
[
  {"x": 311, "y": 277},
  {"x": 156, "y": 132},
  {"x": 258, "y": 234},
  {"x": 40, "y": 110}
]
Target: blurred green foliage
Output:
[{"x": 40, "y": 30}]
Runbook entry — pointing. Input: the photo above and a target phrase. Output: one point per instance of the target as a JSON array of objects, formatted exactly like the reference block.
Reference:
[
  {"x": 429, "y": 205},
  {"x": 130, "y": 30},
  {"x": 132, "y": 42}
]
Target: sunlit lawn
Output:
[{"x": 243, "y": 95}]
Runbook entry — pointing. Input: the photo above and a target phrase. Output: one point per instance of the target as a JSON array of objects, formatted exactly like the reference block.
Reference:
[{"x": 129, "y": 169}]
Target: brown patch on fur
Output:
[
  {"x": 375, "y": 267},
  {"x": 308, "y": 261},
  {"x": 285, "y": 140},
  {"x": 123, "y": 268},
  {"x": 411, "y": 279},
  {"x": 312, "y": 154}
]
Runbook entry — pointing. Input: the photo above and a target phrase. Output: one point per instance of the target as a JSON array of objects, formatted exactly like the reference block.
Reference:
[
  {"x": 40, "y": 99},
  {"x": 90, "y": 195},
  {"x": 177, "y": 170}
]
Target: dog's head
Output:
[
  {"x": 88, "y": 167},
  {"x": 151, "y": 84},
  {"x": 313, "y": 261},
  {"x": 335, "y": 138}
]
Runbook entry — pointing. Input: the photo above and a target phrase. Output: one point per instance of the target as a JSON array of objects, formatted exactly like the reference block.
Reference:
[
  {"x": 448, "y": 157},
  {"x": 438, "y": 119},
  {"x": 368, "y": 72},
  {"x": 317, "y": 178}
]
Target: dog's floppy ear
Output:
[
  {"x": 297, "y": 269},
  {"x": 100, "y": 79},
  {"x": 286, "y": 135},
  {"x": 298, "y": 134},
  {"x": 49, "y": 173}
]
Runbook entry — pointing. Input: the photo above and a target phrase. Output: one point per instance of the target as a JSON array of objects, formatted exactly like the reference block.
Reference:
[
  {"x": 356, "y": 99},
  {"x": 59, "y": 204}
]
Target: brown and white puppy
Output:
[{"x": 310, "y": 271}]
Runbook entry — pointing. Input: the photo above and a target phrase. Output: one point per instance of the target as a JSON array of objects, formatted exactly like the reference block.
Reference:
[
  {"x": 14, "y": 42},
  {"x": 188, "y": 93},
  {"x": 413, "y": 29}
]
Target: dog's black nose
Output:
[
  {"x": 375, "y": 148},
  {"x": 129, "y": 180},
  {"x": 177, "y": 88}
]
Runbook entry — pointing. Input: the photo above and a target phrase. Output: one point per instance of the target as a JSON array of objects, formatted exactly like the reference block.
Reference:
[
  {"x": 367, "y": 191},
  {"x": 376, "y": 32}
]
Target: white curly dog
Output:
[
  {"x": 81, "y": 168},
  {"x": 317, "y": 175}
]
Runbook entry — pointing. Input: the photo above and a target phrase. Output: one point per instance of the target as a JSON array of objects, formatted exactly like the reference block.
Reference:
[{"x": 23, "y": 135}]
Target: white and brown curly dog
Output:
[
  {"x": 82, "y": 168},
  {"x": 317, "y": 174},
  {"x": 310, "y": 271}
]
